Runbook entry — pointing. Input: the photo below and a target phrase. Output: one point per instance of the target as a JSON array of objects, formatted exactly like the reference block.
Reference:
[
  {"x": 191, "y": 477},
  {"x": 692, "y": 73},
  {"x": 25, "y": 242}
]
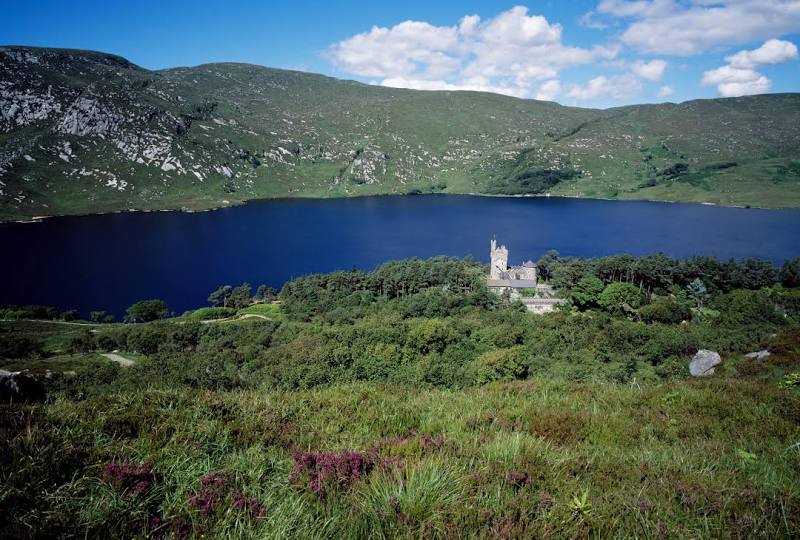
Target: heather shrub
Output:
[
  {"x": 323, "y": 473},
  {"x": 561, "y": 426},
  {"x": 130, "y": 479},
  {"x": 218, "y": 493}
]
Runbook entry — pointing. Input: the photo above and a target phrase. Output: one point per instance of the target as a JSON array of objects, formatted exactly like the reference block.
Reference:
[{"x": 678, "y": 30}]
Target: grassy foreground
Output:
[{"x": 710, "y": 458}]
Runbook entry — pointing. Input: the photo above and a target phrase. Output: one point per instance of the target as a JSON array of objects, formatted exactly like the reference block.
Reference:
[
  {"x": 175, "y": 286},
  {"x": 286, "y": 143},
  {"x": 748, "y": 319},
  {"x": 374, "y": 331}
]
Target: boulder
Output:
[
  {"x": 703, "y": 363},
  {"x": 758, "y": 355},
  {"x": 18, "y": 387}
]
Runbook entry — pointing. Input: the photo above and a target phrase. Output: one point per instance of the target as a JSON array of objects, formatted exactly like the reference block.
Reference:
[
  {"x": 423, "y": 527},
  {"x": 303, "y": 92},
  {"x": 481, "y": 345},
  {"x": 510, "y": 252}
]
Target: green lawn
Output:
[{"x": 272, "y": 311}]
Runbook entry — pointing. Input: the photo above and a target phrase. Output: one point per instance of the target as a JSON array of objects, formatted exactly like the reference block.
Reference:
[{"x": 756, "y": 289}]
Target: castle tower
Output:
[{"x": 499, "y": 256}]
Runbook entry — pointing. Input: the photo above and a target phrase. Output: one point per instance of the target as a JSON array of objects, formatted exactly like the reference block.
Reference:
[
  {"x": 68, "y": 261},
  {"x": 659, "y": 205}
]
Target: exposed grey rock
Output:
[
  {"x": 703, "y": 363},
  {"x": 88, "y": 117},
  {"x": 18, "y": 387},
  {"x": 758, "y": 355}
]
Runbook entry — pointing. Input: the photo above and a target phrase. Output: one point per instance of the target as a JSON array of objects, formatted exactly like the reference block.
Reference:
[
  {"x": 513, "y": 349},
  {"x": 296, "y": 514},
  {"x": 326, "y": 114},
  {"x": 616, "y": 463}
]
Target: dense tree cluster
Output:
[
  {"x": 658, "y": 288},
  {"x": 29, "y": 312},
  {"x": 147, "y": 310},
  {"x": 434, "y": 323},
  {"x": 242, "y": 296},
  {"x": 661, "y": 274},
  {"x": 441, "y": 278}
]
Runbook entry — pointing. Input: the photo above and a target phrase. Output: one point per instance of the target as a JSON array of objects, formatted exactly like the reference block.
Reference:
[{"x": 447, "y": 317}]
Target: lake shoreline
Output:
[{"x": 229, "y": 204}]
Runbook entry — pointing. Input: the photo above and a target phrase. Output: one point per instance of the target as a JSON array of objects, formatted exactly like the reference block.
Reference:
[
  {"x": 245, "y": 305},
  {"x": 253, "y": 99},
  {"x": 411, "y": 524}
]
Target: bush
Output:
[
  {"x": 665, "y": 310},
  {"x": 586, "y": 292},
  {"x": 378, "y": 362},
  {"x": 106, "y": 342},
  {"x": 29, "y": 312},
  {"x": 618, "y": 296},
  {"x": 83, "y": 342},
  {"x": 501, "y": 365},
  {"x": 789, "y": 274},
  {"x": 742, "y": 307},
  {"x": 430, "y": 335},
  {"x": 146, "y": 339},
  {"x": 16, "y": 346}
]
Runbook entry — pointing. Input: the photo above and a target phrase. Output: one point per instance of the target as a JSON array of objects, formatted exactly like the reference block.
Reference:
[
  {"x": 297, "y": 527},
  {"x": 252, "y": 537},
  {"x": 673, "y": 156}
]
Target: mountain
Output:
[{"x": 84, "y": 132}]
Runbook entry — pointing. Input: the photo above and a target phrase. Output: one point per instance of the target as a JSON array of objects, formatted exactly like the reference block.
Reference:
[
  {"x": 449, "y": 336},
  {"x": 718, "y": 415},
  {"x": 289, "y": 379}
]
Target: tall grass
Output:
[{"x": 704, "y": 459}]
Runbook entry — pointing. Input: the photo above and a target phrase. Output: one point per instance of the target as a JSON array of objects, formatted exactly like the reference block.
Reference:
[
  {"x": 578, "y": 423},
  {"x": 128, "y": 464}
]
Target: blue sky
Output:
[{"x": 588, "y": 53}]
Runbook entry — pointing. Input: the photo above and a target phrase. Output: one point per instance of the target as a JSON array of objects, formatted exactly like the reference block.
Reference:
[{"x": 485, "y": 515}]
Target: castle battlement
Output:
[{"x": 520, "y": 277}]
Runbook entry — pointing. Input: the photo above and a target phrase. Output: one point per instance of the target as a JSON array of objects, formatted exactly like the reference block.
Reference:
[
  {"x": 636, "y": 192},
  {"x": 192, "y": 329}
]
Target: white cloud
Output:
[
  {"x": 732, "y": 82},
  {"x": 397, "y": 51},
  {"x": 510, "y": 53},
  {"x": 773, "y": 51},
  {"x": 652, "y": 71},
  {"x": 623, "y": 86},
  {"x": 665, "y": 91},
  {"x": 744, "y": 88},
  {"x": 476, "y": 84},
  {"x": 602, "y": 87},
  {"x": 549, "y": 90},
  {"x": 728, "y": 73},
  {"x": 689, "y": 27},
  {"x": 739, "y": 78}
]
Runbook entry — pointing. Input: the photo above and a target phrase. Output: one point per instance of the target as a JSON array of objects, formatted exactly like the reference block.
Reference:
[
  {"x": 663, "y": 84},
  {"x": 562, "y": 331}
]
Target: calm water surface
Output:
[{"x": 110, "y": 261}]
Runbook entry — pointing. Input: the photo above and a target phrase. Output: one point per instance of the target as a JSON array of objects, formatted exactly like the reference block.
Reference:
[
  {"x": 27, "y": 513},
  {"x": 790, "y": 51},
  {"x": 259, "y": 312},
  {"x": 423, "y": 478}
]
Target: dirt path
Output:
[
  {"x": 236, "y": 318},
  {"x": 121, "y": 360}
]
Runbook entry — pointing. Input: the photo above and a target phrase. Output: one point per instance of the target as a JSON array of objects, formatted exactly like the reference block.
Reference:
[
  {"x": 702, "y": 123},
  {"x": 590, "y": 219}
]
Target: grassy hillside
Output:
[{"x": 89, "y": 132}]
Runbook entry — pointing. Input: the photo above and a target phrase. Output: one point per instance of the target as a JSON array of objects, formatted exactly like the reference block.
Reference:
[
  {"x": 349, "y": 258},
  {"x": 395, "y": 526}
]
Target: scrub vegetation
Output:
[{"x": 409, "y": 402}]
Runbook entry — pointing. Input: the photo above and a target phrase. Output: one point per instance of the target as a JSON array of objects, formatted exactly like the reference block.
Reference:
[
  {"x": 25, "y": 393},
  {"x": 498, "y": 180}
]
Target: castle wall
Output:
[{"x": 499, "y": 257}]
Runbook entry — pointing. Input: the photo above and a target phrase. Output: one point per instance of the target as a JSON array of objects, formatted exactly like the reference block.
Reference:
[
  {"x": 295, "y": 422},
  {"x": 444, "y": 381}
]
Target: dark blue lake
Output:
[{"x": 110, "y": 261}]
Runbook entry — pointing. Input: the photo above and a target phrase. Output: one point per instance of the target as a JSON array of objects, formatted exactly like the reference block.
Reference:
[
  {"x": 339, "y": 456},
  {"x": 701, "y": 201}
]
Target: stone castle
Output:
[
  {"x": 518, "y": 277},
  {"x": 519, "y": 282}
]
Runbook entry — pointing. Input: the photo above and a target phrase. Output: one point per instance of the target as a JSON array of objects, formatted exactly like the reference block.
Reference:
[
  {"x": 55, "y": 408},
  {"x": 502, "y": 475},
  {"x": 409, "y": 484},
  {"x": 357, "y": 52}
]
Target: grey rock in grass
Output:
[
  {"x": 758, "y": 355},
  {"x": 703, "y": 363},
  {"x": 17, "y": 387}
]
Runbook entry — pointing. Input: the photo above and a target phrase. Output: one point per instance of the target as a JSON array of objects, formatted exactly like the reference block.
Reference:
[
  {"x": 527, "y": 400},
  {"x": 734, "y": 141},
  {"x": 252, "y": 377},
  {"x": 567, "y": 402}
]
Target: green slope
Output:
[{"x": 87, "y": 132}]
